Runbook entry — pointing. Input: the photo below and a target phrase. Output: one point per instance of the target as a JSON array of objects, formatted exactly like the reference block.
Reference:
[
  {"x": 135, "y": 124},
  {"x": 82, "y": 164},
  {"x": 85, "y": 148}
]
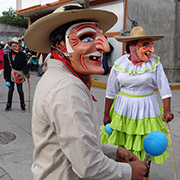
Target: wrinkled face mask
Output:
[
  {"x": 141, "y": 52},
  {"x": 85, "y": 43},
  {"x": 15, "y": 47}
]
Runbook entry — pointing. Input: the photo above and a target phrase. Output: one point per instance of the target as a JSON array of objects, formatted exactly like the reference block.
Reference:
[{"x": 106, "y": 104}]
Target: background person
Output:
[
  {"x": 106, "y": 57},
  {"x": 33, "y": 63},
  {"x": 1, "y": 58},
  {"x": 41, "y": 60},
  {"x": 6, "y": 49},
  {"x": 64, "y": 121},
  {"x": 17, "y": 60}
]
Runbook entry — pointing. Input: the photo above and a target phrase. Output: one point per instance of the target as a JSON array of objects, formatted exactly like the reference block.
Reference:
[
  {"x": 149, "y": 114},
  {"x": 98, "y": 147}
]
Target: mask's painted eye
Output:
[
  {"x": 146, "y": 46},
  {"x": 86, "y": 38}
]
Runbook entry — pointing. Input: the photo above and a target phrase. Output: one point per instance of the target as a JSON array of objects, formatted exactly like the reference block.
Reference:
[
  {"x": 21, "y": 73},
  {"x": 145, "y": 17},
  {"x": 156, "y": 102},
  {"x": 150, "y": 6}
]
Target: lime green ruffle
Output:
[
  {"x": 138, "y": 126},
  {"x": 130, "y": 134}
]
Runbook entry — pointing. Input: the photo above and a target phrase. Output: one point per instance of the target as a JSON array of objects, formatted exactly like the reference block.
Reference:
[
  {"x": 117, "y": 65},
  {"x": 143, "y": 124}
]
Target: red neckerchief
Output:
[
  {"x": 85, "y": 79},
  {"x": 12, "y": 53}
]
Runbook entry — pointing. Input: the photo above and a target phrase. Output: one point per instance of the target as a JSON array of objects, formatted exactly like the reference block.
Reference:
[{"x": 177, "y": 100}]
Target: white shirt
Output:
[{"x": 65, "y": 131}]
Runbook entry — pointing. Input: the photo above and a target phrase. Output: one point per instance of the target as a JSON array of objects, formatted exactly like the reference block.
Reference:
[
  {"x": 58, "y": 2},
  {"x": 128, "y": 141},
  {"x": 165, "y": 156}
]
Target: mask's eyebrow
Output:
[
  {"x": 85, "y": 30},
  {"x": 145, "y": 43}
]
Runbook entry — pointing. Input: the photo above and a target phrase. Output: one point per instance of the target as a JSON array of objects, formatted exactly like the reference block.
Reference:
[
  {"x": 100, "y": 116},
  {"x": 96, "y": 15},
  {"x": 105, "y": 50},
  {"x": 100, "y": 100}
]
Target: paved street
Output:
[{"x": 16, "y": 156}]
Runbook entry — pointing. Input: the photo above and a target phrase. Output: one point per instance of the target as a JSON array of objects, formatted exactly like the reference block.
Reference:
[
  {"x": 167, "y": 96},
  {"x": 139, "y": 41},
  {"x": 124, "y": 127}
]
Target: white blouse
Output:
[{"x": 138, "y": 80}]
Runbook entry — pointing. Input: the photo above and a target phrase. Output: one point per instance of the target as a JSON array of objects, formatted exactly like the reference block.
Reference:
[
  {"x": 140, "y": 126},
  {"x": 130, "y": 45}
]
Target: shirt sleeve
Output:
[
  {"x": 162, "y": 83},
  {"x": 112, "y": 84},
  {"x": 109, "y": 150},
  {"x": 72, "y": 113}
]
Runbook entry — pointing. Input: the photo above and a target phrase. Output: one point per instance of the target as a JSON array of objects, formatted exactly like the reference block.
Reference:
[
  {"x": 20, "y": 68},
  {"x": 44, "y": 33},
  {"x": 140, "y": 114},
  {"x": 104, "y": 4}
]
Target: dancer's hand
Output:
[
  {"x": 139, "y": 169},
  {"x": 168, "y": 116},
  {"x": 124, "y": 155},
  {"x": 106, "y": 120}
]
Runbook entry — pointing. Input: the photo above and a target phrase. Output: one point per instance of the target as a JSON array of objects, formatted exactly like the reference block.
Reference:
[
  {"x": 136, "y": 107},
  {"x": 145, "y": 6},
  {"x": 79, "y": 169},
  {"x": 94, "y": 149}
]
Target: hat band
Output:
[{"x": 72, "y": 7}]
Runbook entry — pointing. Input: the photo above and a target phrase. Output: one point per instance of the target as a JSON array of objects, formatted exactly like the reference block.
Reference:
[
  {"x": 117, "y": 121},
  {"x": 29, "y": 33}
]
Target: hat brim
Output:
[
  {"x": 10, "y": 42},
  {"x": 125, "y": 39},
  {"x": 37, "y": 35}
]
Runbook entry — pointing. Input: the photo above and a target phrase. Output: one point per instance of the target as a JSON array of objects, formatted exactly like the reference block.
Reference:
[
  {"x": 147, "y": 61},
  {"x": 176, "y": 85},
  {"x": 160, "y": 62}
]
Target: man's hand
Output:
[
  {"x": 139, "y": 169},
  {"x": 124, "y": 155}
]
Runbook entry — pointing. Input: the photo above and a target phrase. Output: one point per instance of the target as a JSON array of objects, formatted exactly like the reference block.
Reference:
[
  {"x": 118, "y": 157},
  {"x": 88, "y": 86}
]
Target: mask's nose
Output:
[
  {"x": 151, "y": 49},
  {"x": 102, "y": 44}
]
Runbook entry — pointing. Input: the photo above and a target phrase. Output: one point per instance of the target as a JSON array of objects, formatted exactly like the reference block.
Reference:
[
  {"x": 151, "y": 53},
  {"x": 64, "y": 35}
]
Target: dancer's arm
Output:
[
  {"x": 168, "y": 115},
  {"x": 108, "y": 104}
]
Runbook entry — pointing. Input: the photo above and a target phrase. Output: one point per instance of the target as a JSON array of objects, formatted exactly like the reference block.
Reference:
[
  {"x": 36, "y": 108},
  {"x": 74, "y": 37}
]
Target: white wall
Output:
[{"x": 23, "y": 4}]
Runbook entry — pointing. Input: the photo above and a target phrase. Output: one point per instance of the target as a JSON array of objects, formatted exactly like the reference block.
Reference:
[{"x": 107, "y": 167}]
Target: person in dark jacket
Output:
[{"x": 16, "y": 60}]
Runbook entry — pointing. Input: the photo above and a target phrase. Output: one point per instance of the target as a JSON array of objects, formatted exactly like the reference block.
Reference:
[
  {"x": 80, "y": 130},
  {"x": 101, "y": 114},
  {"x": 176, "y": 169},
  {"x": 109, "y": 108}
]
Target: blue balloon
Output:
[
  {"x": 8, "y": 84},
  {"x": 155, "y": 143},
  {"x": 108, "y": 129}
]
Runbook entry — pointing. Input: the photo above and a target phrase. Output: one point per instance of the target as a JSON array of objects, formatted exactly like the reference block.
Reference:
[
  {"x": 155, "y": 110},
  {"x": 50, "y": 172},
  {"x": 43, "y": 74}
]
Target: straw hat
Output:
[
  {"x": 29, "y": 54},
  {"x": 37, "y": 35},
  {"x": 13, "y": 40},
  {"x": 33, "y": 56},
  {"x": 137, "y": 33}
]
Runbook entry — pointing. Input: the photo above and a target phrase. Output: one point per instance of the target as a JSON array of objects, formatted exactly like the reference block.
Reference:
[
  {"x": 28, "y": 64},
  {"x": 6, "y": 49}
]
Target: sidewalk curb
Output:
[
  {"x": 96, "y": 83},
  {"x": 175, "y": 87}
]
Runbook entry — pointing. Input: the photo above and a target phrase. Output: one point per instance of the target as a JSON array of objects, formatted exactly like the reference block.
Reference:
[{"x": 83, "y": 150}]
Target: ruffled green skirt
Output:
[{"x": 130, "y": 134}]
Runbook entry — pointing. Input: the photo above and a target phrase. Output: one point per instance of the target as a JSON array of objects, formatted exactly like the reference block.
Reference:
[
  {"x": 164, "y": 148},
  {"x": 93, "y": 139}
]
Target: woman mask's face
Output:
[
  {"x": 86, "y": 44},
  {"x": 144, "y": 49}
]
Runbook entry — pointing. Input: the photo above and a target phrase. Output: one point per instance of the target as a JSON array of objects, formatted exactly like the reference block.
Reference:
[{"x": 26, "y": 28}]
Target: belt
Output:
[{"x": 135, "y": 96}]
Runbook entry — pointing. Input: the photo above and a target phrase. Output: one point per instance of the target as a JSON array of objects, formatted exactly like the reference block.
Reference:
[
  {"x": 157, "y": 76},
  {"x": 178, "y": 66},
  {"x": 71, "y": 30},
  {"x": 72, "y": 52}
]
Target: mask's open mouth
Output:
[
  {"x": 95, "y": 58},
  {"x": 148, "y": 55}
]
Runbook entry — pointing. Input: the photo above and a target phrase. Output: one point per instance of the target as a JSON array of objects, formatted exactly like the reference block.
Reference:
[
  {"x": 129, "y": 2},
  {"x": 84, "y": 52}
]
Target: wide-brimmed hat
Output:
[
  {"x": 33, "y": 56},
  {"x": 138, "y": 33},
  {"x": 37, "y": 35},
  {"x": 13, "y": 40},
  {"x": 29, "y": 54}
]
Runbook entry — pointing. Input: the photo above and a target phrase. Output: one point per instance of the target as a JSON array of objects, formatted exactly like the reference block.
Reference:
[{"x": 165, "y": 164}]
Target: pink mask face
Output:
[
  {"x": 15, "y": 47},
  {"x": 85, "y": 43},
  {"x": 144, "y": 49}
]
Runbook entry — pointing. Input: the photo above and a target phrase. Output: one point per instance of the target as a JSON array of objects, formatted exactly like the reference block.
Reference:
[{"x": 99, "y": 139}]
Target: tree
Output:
[{"x": 10, "y": 17}]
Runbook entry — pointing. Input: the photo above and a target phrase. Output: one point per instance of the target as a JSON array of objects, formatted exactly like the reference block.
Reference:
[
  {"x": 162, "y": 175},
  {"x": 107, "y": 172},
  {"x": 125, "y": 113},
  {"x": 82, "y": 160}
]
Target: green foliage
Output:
[{"x": 10, "y": 17}]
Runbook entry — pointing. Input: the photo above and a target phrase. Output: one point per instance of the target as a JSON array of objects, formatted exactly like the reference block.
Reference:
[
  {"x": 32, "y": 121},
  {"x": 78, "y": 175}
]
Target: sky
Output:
[{"x": 6, "y": 4}]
